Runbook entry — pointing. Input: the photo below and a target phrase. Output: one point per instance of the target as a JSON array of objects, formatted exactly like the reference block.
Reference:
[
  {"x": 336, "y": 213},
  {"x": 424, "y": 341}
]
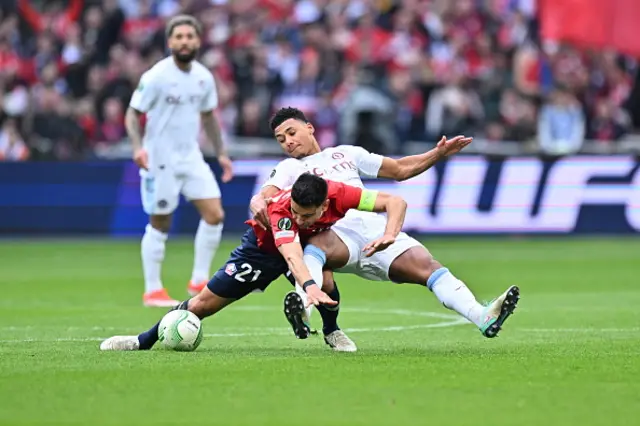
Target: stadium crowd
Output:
[{"x": 377, "y": 73}]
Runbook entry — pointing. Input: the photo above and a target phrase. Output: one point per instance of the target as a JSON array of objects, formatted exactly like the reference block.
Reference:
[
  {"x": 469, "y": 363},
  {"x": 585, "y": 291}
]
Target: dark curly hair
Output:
[{"x": 283, "y": 114}]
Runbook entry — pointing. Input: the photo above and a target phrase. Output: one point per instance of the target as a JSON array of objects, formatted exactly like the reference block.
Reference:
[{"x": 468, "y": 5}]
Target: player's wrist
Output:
[{"x": 308, "y": 284}]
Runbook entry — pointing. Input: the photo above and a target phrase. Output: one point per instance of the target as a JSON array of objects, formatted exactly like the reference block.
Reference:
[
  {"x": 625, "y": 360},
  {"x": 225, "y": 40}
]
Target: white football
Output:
[{"x": 180, "y": 331}]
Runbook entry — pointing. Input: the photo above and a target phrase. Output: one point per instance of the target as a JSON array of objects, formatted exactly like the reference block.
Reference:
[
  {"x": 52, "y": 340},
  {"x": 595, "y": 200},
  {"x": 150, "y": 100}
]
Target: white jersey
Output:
[
  {"x": 344, "y": 163},
  {"x": 173, "y": 101}
]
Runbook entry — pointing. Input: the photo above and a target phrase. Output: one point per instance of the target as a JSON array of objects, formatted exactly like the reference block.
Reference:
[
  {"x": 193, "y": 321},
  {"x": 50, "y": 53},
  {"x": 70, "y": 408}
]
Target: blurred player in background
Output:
[
  {"x": 341, "y": 248},
  {"x": 178, "y": 95}
]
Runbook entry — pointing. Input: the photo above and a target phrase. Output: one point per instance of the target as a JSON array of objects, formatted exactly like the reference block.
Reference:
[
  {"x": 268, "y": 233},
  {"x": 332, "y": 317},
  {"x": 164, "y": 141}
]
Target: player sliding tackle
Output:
[
  {"x": 341, "y": 248},
  {"x": 312, "y": 205}
]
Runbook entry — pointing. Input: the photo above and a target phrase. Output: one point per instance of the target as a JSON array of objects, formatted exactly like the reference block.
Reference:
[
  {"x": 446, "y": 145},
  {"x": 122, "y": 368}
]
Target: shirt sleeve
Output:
[
  {"x": 284, "y": 174},
  {"x": 368, "y": 164},
  {"x": 210, "y": 99},
  {"x": 283, "y": 227},
  {"x": 347, "y": 197},
  {"x": 145, "y": 95}
]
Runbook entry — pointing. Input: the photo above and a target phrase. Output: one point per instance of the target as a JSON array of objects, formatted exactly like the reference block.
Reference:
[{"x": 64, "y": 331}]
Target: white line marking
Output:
[
  {"x": 453, "y": 320},
  {"x": 581, "y": 330}
]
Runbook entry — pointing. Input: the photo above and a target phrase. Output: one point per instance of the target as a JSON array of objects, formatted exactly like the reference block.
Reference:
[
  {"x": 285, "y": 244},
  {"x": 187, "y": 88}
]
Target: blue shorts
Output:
[{"x": 247, "y": 269}]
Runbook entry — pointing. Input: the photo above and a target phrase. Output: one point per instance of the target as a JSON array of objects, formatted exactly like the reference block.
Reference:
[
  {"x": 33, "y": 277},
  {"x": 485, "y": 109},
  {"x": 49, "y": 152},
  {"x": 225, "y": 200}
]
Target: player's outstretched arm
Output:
[
  {"x": 292, "y": 253},
  {"x": 407, "y": 167}
]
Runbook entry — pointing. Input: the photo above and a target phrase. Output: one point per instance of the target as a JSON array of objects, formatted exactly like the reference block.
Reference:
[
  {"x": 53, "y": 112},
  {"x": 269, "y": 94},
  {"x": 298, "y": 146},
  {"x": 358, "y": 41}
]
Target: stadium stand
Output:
[{"x": 390, "y": 76}]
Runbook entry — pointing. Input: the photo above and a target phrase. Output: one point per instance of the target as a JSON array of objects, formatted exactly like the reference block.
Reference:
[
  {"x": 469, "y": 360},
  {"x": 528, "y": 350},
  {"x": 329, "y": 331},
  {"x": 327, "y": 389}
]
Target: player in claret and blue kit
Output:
[
  {"x": 311, "y": 206},
  {"x": 341, "y": 247}
]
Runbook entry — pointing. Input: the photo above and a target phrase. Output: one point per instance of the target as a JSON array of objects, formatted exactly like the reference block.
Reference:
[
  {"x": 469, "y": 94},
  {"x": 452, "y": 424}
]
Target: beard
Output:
[{"x": 185, "y": 58}]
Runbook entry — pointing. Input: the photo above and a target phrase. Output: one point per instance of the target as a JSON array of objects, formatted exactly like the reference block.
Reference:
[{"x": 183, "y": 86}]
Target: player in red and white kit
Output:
[
  {"x": 407, "y": 260},
  {"x": 310, "y": 207}
]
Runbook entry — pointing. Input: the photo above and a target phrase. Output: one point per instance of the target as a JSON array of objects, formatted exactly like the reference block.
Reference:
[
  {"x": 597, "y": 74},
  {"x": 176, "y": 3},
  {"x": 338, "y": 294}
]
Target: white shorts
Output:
[
  {"x": 160, "y": 189},
  {"x": 357, "y": 229}
]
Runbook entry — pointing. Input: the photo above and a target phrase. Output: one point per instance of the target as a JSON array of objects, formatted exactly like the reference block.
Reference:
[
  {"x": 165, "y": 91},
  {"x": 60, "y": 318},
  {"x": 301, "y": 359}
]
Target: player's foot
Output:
[
  {"x": 196, "y": 287},
  {"x": 159, "y": 299},
  {"x": 296, "y": 315},
  {"x": 340, "y": 342},
  {"x": 120, "y": 343},
  {"x": 497, "y": 312}
]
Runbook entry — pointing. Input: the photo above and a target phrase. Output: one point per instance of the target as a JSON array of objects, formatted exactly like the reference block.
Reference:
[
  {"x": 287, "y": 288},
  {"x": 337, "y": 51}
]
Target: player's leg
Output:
[
  {"x": 159, "y": 195},
  {"x": 324, "y": 250},
  {"x": 204, "y": 304},
  {"x": 329, "y": 314},
  {"x": 201, "y": 188},
  {"x": 416, "y": 265},
  {"x": 247, "y": 269}
]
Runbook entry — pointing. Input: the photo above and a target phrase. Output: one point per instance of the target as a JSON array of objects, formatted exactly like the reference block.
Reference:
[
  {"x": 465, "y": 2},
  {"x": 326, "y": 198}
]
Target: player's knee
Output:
[
  {"x": 213, "y": 216},
  {"x": 160, "y": 223}
]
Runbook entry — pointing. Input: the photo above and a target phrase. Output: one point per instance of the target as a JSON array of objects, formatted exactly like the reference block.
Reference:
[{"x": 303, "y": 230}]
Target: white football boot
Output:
[
  {"x": 340, "y": 342},
  {"x": 120, "y": 343}
]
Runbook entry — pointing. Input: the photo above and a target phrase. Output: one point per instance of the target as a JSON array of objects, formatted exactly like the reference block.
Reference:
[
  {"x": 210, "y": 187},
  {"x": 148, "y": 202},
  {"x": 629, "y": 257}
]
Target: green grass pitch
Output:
[{"x": 568, "y": 356}]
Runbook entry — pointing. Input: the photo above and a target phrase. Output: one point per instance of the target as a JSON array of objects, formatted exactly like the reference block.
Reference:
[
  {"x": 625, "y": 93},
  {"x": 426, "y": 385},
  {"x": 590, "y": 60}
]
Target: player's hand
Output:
[
  {"x": 258, "y": 206},
  {"x": 141, "y": 158},
  {"x": 447, "y": 147},
  {"x": 227, "y": 168},
  {"x": 378, "y": 245},
  {"x": 315, "y": 296}
]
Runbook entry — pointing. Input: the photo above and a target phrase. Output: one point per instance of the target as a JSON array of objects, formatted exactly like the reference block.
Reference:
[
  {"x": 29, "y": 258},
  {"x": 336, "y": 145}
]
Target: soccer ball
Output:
[{"x": 180, "y": 330}]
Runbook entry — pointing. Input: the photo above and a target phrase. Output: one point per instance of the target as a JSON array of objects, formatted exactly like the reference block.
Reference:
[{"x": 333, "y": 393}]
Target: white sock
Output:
[
  {"x": 455, "y": 295},
  {"x": 152, "y": 250},
  {"x": 315, "y": 259},
  {"x": 206, "y": 243}
]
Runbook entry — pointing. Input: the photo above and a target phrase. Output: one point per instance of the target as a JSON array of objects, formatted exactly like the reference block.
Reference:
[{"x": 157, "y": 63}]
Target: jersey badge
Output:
[
  {"x": 285, "y": 224},
  {"x": 230, "y": 269}
]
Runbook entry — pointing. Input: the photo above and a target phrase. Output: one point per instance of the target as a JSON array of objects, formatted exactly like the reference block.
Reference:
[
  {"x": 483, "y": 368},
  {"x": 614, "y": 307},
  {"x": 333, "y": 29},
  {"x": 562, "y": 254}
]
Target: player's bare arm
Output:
[
  {"x": 258, "y": 205},
  {"x": 292, "y": 254},
  {"x": 132, "y": 124},
  {"x": 396, "y": 209},
  {"x": 407, "y": 167},
  {"x": 214, "y": 134}
]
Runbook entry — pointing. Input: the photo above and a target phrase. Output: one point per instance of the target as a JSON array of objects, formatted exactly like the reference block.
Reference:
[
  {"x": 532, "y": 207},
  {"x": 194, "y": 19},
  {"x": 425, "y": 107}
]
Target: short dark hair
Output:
[
  {"x": 309, "y": 190},
  {"x": 283, "y": 114},
  {"x": 178, "y": 20}
]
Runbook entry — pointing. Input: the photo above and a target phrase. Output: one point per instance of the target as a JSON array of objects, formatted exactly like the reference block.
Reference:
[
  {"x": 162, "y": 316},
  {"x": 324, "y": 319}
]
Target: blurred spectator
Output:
[
  {"x": 374, "y": 73},
  {"x": 12, "y": 147},
  {"x": 561, "y": 126},
  {"x": 609, "y": 123}
]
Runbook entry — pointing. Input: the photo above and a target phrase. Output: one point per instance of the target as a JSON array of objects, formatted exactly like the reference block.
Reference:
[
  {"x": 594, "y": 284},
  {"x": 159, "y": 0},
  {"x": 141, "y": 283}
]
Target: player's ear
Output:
[
  {"x": 311, "y": 128},
  {"x": 325, "y": 205}
]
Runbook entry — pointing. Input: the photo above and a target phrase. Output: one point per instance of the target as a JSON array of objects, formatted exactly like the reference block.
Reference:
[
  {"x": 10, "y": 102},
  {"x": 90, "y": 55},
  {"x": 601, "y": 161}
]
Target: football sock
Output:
[
  {"x": 152, "y": 251},
  {"x": 150, "y": 337},
  {"x": 206, "y": 243},
  {"x": 315, "y": 259},
  {"x": 329, "y": 314},
  {"x": 455, "y": 295}
]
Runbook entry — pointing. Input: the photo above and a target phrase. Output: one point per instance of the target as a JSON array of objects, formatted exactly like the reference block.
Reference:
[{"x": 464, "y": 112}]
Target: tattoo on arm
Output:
[
  {"x": 132, "y": 124},
  {"x": 212, "y": 129}
]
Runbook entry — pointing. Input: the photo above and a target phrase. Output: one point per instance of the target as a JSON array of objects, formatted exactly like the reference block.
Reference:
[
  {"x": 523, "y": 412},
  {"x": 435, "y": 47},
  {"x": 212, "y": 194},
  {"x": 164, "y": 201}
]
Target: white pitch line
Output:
[
  {"x": 581, "y": 330},
  {"x": 265, "y": 332}
]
